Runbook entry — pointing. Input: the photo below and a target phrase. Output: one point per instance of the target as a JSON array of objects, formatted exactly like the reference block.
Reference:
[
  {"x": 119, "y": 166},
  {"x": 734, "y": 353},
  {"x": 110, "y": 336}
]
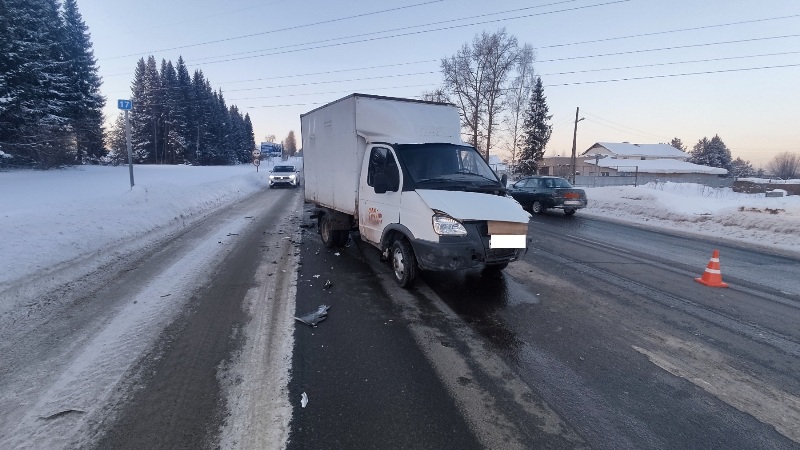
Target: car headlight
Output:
[{"x": 447, "y": 226}]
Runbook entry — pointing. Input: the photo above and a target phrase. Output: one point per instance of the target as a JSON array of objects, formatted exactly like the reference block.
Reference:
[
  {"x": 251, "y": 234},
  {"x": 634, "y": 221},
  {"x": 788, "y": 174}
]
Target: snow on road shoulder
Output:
[
  {"x": 717, "y": 213},
  {"x": 49, "y": 217}
]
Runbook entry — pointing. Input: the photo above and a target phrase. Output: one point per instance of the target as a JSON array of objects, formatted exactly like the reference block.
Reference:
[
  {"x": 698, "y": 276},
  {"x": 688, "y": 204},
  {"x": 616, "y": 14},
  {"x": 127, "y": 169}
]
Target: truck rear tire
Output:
[
  {"x": 404, "y": 265},
  {"x": 330, "y": 237},
  {"x": 326, "y": 232}
]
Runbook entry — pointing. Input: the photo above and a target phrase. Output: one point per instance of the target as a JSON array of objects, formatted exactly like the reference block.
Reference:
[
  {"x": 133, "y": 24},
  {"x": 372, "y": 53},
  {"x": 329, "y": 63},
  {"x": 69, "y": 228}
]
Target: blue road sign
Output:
[{"x": 124, "y": 105}]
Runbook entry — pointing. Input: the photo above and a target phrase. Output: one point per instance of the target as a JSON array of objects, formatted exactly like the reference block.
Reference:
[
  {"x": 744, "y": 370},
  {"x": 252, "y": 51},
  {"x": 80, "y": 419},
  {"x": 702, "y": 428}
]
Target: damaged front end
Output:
[{"x": 470, "y": 251}]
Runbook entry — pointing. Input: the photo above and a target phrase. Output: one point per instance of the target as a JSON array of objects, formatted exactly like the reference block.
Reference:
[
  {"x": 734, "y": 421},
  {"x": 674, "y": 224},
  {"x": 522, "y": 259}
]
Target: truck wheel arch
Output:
[{"x": 394, "y": 232}]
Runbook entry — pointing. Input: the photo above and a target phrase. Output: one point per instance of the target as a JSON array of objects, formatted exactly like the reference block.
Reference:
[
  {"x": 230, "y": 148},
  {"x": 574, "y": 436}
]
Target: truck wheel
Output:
[
  {"x": 537, "y": 207},
  {"x": 341, "y": 237},
  {"x": 325, "y": 231},
  {"x": 403, "y": 263}
]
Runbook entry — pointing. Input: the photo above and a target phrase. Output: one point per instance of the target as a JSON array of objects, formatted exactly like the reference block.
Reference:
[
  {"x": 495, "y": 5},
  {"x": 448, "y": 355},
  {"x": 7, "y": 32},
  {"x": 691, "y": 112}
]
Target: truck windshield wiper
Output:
[{"x": 467, "y": 172}]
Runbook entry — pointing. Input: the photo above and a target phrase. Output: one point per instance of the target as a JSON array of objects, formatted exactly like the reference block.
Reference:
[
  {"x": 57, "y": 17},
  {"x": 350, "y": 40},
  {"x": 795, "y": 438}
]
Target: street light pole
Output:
[{"x": 574, "y": 139}]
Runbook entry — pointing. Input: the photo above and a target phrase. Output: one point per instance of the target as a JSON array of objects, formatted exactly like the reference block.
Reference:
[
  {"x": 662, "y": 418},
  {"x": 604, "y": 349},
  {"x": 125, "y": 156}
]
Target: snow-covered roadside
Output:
[
  {"x": 71, "y": 386},
  {"x": 752, "y": 219},
  {"x": 89, "y": 215}
]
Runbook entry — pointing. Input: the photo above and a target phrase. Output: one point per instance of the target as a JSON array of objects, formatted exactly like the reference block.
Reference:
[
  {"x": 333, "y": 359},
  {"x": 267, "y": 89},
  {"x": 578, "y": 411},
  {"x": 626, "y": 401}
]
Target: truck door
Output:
[{"x": 379, "y": 196}]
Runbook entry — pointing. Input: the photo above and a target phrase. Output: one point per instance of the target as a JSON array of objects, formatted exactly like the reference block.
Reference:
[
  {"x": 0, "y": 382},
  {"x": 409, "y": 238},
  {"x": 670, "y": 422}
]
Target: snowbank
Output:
[
  {"x": 48, "y": 217},
  {"x": 717, "y": 213}
]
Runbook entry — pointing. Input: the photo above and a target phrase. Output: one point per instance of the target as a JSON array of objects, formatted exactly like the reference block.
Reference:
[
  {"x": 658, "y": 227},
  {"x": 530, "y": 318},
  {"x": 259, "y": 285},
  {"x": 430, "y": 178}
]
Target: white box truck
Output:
[{"x": 397, "y": 171}]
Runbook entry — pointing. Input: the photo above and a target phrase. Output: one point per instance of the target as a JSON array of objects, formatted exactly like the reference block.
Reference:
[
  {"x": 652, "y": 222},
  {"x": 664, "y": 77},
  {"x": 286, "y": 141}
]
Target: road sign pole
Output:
[{"x": 130, "y": 151}]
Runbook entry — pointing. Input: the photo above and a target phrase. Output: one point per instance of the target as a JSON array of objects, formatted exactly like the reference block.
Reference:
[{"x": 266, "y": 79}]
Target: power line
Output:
[
  {"x": 556, "y": 85},
  {"x": 330, "y": 92},
  {"x": 671, "y": 63},
  {"x": 284, "y": 29},
  {"x": 555, "y": 45},
  {"x": 331, "y": 81},
  {"x": 195, "y": 19},
  {"x": 678, "y": 47},
  {"x": 674, "y": 75},
  {"x": 680, "y": 30},
  {"x": 411, "y": 27},
  {"x": 629, "y": 129},
  {"x": 404, "y": 34},
  {"x": 334, "y": 71}
]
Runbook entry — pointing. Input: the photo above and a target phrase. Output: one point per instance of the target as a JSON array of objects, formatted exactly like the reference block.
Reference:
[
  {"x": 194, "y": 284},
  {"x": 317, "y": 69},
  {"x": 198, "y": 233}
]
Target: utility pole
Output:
[
  {"x": 128, "y": 140},
  {"x": 574, "y": 139}
]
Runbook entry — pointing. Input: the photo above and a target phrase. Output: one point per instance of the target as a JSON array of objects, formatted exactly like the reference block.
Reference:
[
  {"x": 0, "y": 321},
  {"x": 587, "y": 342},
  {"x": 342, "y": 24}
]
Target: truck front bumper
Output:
[{"x": 462, "y": 252}]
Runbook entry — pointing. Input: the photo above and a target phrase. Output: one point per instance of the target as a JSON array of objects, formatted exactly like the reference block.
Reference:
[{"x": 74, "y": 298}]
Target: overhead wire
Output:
[{"x": 283, "y": 29}]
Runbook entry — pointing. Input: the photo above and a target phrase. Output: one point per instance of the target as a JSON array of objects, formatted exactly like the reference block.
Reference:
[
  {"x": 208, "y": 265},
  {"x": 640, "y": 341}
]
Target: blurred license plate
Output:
[
  {"x": 507, "y": 241},
  {"x": 572, "y": 202}
]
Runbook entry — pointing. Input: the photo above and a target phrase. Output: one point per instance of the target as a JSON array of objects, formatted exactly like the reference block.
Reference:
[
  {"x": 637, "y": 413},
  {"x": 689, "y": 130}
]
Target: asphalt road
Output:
[{"x": 598, "y": 338}]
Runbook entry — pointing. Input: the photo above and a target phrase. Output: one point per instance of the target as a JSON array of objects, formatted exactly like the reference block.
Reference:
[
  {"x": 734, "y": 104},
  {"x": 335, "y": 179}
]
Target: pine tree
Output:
[
  {"x": 712, "y": 153},
  {"x": 236, "y": 139},
  {"x": 170, "y": 99},
  {"x": 146, "y": 96},
  {"x": 203, "y": 107},
  {"x": 182, "y": 117},
  {"x": 117, "y": 143},
  {"x": 677, "y": 143},
  {"x": 86, "y": 107},
  {"x": 741, "y": 168},
  {"x": 35, "y": 89},
  {"x": 536, "y": 131},
  {"x": 250, "y": 137}
]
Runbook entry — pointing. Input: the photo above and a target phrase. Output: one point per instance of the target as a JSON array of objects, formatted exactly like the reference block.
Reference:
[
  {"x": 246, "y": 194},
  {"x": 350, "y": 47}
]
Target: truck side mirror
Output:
[{"x": 379, "y": 183}]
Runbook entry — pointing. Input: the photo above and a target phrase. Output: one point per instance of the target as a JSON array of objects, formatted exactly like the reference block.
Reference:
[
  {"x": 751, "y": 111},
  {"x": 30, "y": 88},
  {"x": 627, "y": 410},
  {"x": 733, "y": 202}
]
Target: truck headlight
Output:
[{"x": 446, "y": 225}]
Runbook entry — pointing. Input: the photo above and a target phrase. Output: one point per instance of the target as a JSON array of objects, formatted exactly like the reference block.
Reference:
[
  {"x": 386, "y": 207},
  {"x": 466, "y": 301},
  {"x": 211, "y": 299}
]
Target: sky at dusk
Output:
[{"x": 642, "y": 71}]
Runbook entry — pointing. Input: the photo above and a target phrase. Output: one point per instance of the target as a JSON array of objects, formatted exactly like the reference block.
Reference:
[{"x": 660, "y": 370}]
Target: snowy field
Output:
[
  {"x": 90, "y": 212},
  {"x": 49, "y": 217},
  {"x": 754, "y": 219}
]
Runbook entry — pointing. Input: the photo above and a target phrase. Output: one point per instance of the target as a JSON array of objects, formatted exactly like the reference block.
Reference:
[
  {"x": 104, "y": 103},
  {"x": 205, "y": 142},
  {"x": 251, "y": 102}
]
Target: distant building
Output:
[{"x": 626, "y": 163}]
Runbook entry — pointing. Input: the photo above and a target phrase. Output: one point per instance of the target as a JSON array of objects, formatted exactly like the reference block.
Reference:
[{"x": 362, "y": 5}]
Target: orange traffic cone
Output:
[{"x": 712, "y": 276}]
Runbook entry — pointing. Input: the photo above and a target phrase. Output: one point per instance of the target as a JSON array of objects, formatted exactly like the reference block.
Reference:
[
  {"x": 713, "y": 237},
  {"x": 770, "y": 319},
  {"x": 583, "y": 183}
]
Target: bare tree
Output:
[
  {"x": 502, "y": 54},
  {"x": 270, "y": 138},
  {"x": 290, "y": 144},
  {"x": 785, "y": 165},
  {"x": 518, "y": 96},
  {"x": 475, "y": 77},
  {"x": 464, "y": 78},
  {"x": 436, "y": 95}
]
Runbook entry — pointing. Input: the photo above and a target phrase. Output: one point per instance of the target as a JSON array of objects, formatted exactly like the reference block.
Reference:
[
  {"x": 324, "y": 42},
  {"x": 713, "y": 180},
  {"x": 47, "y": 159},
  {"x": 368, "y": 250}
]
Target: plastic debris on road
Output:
[
  {"x": 304, "y": 400},
  {"x": 328, "y": 284},
  {"x": 315, "y": 317}
]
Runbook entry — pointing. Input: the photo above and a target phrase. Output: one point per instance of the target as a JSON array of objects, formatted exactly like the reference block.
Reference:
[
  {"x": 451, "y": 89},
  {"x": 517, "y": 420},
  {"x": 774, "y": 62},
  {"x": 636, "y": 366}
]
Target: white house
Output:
[{"x": 647, "y": 162}]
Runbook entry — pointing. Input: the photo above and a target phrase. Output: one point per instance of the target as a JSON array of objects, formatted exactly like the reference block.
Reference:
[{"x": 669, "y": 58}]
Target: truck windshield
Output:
[{"x": 426, "y": 162}]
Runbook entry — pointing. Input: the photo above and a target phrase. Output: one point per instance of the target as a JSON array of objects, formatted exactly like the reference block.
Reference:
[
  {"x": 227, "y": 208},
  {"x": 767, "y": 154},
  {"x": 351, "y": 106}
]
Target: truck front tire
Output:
[{"x": 404, "y": 266}]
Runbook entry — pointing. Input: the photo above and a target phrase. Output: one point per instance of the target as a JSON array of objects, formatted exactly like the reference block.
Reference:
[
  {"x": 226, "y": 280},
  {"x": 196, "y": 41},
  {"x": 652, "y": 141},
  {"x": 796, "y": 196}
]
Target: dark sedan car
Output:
[{"x": 539, "y": 193}]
